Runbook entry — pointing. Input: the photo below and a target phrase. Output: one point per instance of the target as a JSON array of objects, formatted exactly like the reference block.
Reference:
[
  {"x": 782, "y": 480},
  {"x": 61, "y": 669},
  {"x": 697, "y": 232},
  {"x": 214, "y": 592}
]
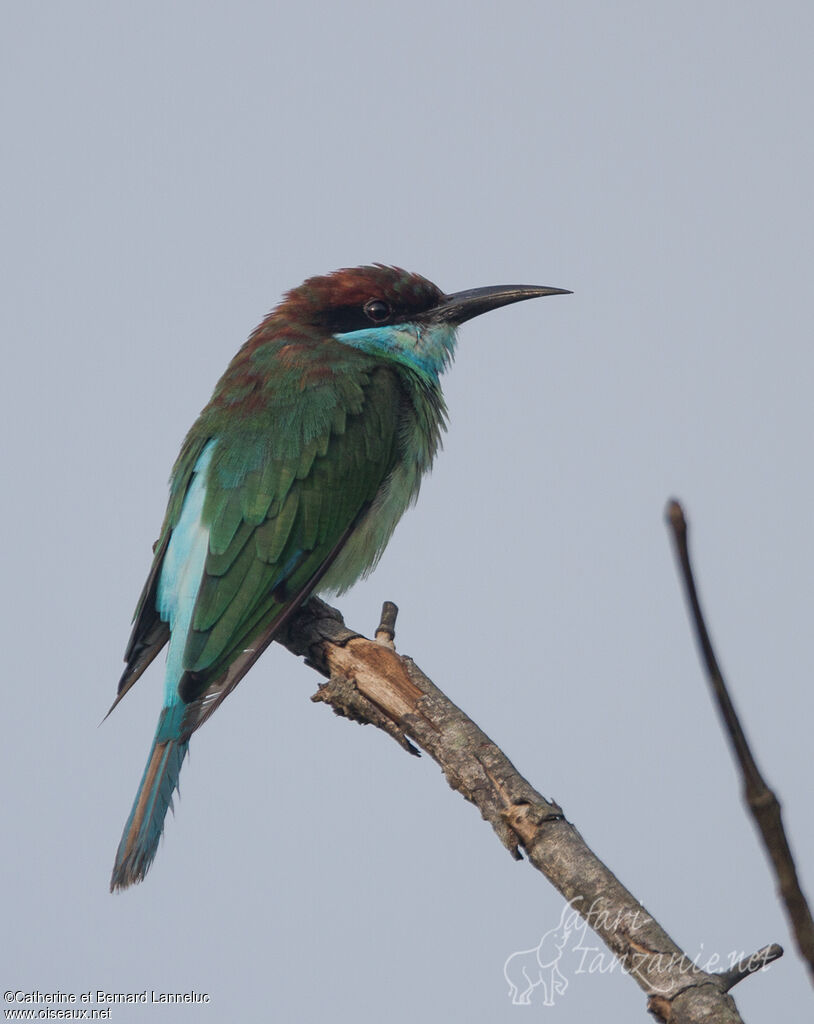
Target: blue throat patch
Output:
[{"x": 427, "y": 350}]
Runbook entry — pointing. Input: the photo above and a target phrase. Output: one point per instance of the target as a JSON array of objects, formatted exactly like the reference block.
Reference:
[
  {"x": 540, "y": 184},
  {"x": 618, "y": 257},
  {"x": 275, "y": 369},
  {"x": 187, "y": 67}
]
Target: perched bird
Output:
[{"x": 290, "y": 482}]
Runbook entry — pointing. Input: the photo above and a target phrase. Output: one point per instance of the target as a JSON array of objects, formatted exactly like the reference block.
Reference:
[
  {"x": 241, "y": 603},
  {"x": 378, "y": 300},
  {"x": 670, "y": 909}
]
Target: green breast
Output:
[{"x": 422, "y": 417}]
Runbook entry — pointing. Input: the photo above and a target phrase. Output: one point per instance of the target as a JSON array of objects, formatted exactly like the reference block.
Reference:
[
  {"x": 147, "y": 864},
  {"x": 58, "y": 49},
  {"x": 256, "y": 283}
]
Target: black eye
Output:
[{"x": 377, "y": 310}]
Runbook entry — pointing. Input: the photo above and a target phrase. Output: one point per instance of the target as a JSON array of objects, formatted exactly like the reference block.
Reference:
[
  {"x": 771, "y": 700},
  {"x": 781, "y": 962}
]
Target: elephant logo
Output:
[{"x": 527, "y": 969}]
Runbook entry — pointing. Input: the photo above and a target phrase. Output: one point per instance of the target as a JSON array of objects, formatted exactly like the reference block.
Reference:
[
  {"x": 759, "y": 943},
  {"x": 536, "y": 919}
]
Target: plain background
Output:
[{"x": 169, "y": 170}]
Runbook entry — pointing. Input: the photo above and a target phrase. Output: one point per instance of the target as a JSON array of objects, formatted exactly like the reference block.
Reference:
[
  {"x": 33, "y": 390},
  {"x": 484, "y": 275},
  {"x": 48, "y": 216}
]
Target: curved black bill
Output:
[{"x": 462, "y": 306}]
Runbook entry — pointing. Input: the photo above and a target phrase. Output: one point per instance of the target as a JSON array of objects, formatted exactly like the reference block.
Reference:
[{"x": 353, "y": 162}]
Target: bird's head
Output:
[{"x": 394, "y": 314}]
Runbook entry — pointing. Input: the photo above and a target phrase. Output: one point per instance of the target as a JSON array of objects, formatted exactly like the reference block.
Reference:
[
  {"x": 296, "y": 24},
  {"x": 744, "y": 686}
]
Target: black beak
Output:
[{"x": 462, "y": 306}]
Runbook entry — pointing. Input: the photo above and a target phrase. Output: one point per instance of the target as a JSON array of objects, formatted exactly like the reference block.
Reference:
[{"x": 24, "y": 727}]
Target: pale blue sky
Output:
[{"x": 170, "y": 170}]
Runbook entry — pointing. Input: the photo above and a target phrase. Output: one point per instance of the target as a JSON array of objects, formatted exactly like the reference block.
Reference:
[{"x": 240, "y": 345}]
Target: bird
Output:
[{"x": 290, "y": 483}]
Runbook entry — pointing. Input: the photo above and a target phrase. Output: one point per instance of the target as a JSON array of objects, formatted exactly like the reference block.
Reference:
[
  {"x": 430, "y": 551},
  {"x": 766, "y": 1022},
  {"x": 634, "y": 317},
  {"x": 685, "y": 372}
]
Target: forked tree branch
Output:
[
  {"x": 762, "y": 802},
  {"x": 369, "y": 682}
]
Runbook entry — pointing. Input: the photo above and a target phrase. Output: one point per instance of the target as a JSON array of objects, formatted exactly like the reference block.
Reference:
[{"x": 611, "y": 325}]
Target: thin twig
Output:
[
  {"x": 762, "y": 802},
  {"x": 386, "y": 630},
  {"x": 756, "y": 962}
]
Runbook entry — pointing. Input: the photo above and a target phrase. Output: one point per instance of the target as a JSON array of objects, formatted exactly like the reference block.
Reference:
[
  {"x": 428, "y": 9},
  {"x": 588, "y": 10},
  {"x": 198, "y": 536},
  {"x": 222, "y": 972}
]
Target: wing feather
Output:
[
  {"x": 284, "y": 491},
  {"x": 311, "y": 499}
]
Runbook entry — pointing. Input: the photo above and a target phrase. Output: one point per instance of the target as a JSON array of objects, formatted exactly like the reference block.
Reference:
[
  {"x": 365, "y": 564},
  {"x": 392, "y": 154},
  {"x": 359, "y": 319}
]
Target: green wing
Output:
[{"x": 277, "y": 515}]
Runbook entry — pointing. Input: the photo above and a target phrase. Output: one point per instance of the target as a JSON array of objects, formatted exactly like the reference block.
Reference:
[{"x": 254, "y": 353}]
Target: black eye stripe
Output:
[{"x": 374, "y": 313}]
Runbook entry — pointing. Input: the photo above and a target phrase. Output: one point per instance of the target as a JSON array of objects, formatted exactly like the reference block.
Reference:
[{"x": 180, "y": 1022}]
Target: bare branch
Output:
[
  {"x": 370, "y": 682},
  {"x": 762, "y": 802}
]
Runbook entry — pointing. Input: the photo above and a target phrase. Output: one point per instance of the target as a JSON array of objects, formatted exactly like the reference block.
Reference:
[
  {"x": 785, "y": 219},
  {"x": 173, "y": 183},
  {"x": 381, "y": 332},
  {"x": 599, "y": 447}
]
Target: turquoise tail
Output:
[{"x": 139, "y": 841}]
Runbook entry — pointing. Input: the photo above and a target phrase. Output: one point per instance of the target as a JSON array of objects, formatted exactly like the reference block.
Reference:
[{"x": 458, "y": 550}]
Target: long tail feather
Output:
[{"x": 143, "y": 829}]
